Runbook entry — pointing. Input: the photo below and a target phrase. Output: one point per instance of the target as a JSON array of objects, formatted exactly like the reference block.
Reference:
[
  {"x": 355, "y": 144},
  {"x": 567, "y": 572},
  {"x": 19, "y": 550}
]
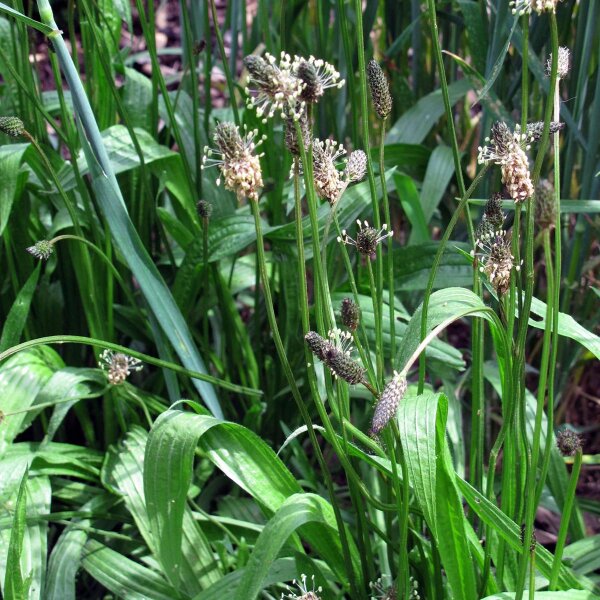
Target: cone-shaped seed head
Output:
[
  {"x": 350, "y": 314},
  {"x": 204, "y": 209},
  {"x": 568, "y": 442},
  {"x": 12, "y": 126},
  {"x": 388, "y": 403},
  {"x": 380, "y": 89}
]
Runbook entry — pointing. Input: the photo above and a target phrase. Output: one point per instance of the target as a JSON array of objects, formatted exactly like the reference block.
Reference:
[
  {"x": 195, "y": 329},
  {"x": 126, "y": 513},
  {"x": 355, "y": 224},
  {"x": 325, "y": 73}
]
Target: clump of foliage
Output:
[{"x": 240, "y": 359}]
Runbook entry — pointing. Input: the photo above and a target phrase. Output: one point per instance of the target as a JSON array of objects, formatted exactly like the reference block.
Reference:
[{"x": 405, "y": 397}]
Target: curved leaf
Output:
[
  {"x": 295, "y": 512},
  {"x": 422, "y": 425}
]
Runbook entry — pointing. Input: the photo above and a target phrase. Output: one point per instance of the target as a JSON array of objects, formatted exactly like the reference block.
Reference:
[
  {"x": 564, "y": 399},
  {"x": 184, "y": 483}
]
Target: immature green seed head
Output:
[
  {"x": 350, "y": 314},
  {"x": 568, "y": 442},
  {"x": 380, "y": 90},
  {"x": 12, "y": 126}
]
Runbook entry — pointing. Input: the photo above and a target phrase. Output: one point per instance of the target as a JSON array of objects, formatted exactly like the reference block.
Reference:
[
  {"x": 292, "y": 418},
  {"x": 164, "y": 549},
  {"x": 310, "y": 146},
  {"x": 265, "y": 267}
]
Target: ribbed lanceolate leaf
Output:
[
  {"x": 443, "y": 305},
  {"x": 123, "y": 472},
  {"x": 510, "y": 532},
  {"x": 23, "y": 544},
  {"x": 65, "y": 560},
  {"x": 21, "y": 378},
  {"x": 295, "y": 512},
  {"x": 17, "y": 316},
  {"x": 422, "y": 425},
  {"x": 123, "y": 576},
  {"x": 12, "y": 180},
  {"x": 282, "y": 569},
  {"x": 240, "y": 454}
]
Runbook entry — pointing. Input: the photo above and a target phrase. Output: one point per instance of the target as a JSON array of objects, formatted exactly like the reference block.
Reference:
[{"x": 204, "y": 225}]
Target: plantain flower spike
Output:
[
  {"x": 302, "y": 593},
  {"x": 493, "y": 249},
  {"x": 367, "y": 238},
  {"x": 41, "y": 250},
  {"x": 316, "y": 76},
  {"x": 564, "y": 63},
  {"x": 507, "y": 149},
  {"x": 350, "y": 314},
  {"x": 568, "y": 442},
  {"x": 335, "y": 354},
  {"x": 235, "y": 156},
  {"x": 388, "y": 402},
  {"x": 12, "y": 126},
  {"x": 118, "y": 365},
  {"x": 526, "y": 7},
  {"x": 380, "y": 90}
]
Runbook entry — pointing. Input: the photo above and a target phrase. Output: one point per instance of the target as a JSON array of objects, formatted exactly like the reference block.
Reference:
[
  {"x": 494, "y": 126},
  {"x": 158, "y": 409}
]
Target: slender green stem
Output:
[
  {"x": 390, "y": 243},
  {"x": 106, "y": 260},
  {"x": 564, "y": 522},
  {"x": 362, "y": 74},
  {"x": 95, "y": 320},
  {"x": 296, "y": 392},
  {"x": 554, "y": 302},
  {"x": 524, "y": 315},
  {"x": 78, "y": 339},
  {"x": 226, "y": 70},
  {"x": 323, "y": 306}
]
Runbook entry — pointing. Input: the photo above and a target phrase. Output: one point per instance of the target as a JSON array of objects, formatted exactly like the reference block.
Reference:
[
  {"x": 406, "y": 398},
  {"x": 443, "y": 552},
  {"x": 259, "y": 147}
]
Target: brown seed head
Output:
[{"x": 380, "y": 90}]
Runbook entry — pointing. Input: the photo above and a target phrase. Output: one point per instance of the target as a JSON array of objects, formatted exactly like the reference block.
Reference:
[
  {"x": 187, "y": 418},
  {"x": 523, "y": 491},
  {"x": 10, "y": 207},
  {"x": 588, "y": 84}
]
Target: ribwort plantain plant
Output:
[{"x": 299, "y": 300}]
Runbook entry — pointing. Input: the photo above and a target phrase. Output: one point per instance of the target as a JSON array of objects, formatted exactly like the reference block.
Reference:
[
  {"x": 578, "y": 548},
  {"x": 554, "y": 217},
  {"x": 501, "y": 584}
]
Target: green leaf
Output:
[
  {"x": 414, "y": 125},
  {"x": 123, "y": 472},
  {"x": 567, "y": 327},
  {"x": 422, "y": 424},
  {"x": 17, "y": 316},
  {"x": 443, "y": 304},
  {"x": 16, "y": 586},
  {"x": 64, "y": 389},
  {"x": 282, "y": 569},
  {"x": 440, "y": 170},
  {"x": 295, "y": 512},
  {"x": 567, "y": 595},
  {"x": 25, "y": 19},
  {"x": 21, "y": 378},
  {"x": 123, "y": 576},
  {"x": 584, "y": 555},
  {"x": 476, "y": 32},
  {"x": 240, "y": 454},
  {"x": 411, "y": 205},
  {"x": 12, "y": 179},
  {"x": 65, "y": 559},
  {"x": 507, "y": 529},
  {"x": 412, "y": 265},
  {"x": 438, "y": 349},
  {"x": 127, "y": 240},
  {"x": 35, "y": 542}
]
